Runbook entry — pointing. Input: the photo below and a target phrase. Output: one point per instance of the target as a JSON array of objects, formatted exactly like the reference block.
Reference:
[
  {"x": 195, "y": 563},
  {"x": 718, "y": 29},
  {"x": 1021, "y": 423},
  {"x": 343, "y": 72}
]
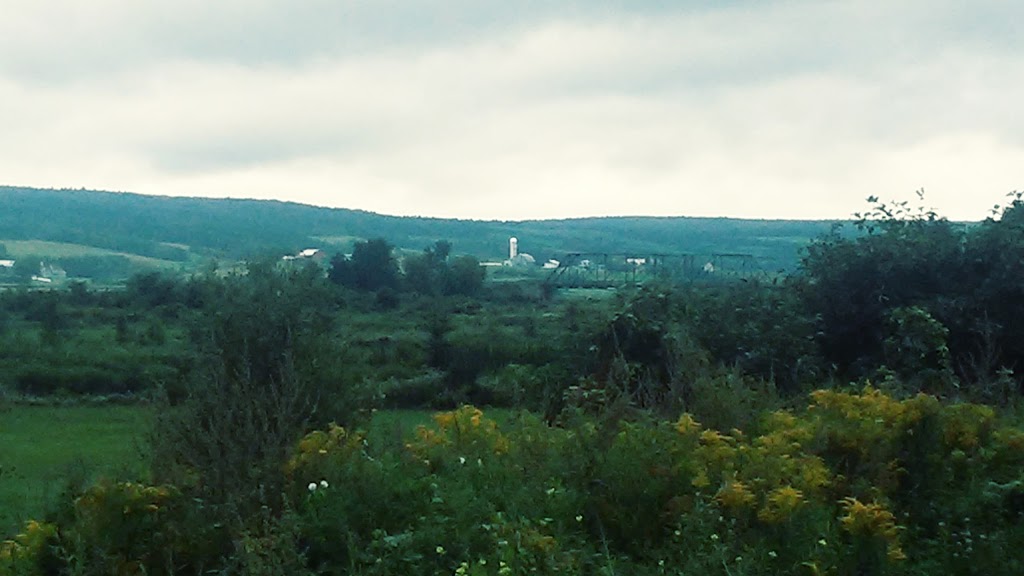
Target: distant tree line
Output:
[
  {"x": 184, "y": 229},
  {"x": 372, "y": 266}
]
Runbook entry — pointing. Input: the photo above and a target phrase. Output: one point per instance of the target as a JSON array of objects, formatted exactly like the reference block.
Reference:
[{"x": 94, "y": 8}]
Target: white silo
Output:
[{"x": 513, "y": 248}]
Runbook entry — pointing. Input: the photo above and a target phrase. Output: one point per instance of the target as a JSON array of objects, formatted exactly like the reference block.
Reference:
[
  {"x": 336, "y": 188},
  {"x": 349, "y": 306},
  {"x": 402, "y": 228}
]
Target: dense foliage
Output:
[
  {"x": 855, "y": 483},
  {"x": 928, "y": 300},
  {"x": 860, "y": 417}
]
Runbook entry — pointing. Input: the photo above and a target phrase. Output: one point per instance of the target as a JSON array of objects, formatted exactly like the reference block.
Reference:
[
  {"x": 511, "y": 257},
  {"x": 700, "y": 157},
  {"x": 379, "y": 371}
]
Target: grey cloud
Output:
[
  {"x": 61, "y": 40},
  {"x": 68, "y": 40},
  {"x": 447, "y": 108}
]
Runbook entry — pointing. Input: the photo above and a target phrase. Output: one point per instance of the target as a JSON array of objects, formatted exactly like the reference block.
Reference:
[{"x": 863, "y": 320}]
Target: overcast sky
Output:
[{"x": 515, "y": 110}]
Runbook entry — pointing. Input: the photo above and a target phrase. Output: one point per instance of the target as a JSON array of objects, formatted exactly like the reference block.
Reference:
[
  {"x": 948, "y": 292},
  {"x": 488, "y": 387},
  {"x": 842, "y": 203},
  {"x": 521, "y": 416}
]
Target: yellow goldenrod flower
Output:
[
  {"x": 686, "y": 424},
  {"x": 734, "y": 495},
  {"x": 872, "y": 520},
  {"x": 444, "y": 419},
  {"x": 781, "y": 504}
]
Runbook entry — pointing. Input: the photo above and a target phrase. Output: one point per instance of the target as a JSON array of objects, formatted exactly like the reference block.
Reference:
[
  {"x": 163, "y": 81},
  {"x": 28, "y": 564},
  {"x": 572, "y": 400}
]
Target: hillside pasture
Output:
[
  {"x": 56, "y": 250},
  {"x": 46, "y": 449}
]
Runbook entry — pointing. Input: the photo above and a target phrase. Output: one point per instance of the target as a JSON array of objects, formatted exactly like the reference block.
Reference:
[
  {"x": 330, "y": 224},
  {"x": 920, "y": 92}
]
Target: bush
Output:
[
  {"x": 854, "y": 483},
  {"x": 254, "y": 394}
]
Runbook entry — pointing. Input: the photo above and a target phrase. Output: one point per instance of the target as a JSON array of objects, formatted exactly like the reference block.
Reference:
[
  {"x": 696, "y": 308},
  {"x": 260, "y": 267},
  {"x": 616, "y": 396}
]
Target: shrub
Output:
[
  {"x": 29, "y": 553},
  {"x": 855, "y": 483},
  {"x": 128, "y": 527}
]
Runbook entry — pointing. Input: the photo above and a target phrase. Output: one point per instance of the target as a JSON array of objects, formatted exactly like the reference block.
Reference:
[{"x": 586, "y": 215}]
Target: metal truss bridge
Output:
[{"x": 607, "y": 270}]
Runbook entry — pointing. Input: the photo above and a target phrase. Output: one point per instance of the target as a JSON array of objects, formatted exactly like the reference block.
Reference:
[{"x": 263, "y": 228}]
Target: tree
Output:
[
  {"x": 439, "y": 252},
  {"x": 426, "y": 273},
  {"x": 78, "y": 293},
  {"x": 916, "y": 350},
  {"x": 648, "y": 355},
  {"x": 994, "y": 281},
  {"x": 465, "y": 276},
  {"x": 26, "y": 267},
  {"x": 433, "y": 272},
  {"x": 761, "y": 328},
  {"x": 371, "y": 266},
  {"x": 340, "y": 271},
  {"x": 420, "y": 275},
  {"x": 902, "y": 257},
  {"x": 152, "y": 289},
  {"x": 266, "y": 361},
  {"x": 922, "y": 296}
]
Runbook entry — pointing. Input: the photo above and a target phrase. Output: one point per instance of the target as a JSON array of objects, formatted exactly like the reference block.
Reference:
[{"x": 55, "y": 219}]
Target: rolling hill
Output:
[{"x": 132, "y": 231}]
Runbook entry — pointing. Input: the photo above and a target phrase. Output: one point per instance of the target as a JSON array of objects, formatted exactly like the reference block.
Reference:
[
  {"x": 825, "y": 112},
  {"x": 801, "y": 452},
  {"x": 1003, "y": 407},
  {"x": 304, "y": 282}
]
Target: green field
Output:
[
  {"x": 24, "y": 248},
  {"x": 43, "y": 448}
]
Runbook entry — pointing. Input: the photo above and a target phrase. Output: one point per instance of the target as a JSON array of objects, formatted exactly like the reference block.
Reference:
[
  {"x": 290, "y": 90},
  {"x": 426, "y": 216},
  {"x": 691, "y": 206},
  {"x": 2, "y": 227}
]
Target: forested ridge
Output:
[{"x": 185, "y": 229}]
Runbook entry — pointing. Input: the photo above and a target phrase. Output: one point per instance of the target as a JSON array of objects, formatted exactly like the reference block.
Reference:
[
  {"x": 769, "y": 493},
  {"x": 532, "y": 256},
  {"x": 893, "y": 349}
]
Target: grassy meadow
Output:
[
  {"x": 44, "y": 448},
  {"x": 57, "y": 250}
]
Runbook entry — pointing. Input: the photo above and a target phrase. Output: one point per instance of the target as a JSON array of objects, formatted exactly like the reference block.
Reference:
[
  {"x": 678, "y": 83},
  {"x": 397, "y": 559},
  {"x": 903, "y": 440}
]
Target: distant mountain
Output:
[{"x": 187, "y": 230}]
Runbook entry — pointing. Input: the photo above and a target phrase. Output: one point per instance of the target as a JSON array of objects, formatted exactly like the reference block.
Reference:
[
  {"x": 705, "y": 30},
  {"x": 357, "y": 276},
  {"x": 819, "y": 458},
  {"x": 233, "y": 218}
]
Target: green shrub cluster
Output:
[{"x": 854, "y": 483}]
